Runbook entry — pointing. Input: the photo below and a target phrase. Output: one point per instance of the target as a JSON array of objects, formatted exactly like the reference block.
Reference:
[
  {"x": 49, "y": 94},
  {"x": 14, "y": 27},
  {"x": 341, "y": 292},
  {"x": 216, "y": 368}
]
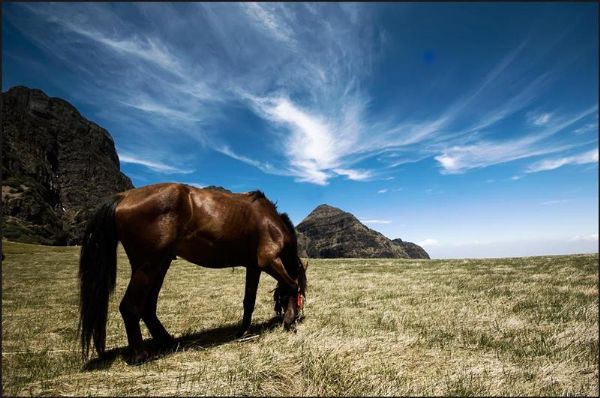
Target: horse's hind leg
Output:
[
  {"x": 131, "y": 309},
  {"x": 156, "y": 328}
]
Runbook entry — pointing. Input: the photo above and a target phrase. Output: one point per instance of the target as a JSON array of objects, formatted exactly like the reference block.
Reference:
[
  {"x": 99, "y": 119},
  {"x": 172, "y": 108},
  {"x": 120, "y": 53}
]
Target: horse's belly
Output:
[{"x": 216, "y": 254}]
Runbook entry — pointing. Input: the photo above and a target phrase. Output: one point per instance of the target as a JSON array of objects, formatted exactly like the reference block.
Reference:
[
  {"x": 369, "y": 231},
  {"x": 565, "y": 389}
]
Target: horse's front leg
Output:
[{"x": 252, "y": 278}]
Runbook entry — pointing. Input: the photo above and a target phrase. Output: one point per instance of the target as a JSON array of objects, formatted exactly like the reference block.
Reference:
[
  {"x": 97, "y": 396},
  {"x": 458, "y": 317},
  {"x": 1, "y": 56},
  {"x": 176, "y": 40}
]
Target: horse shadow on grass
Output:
[{"x": 194, "y": 341}]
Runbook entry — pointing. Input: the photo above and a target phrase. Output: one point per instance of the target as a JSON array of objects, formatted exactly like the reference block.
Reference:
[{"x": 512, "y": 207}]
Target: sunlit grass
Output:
[{"x": 518, "y": 326}]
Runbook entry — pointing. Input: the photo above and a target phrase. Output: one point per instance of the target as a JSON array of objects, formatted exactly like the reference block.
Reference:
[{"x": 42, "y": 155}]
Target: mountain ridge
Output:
[{"x": 56, "y": 166}]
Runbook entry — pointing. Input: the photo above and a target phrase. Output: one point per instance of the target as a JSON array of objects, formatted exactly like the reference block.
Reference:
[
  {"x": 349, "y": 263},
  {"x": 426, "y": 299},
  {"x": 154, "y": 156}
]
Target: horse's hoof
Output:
[
  {"x": 290, "y": 327},
  {"x": 167, "y": 344},
  {"x": 138, "y": 358},
  {"x": 241, "y": 333}
]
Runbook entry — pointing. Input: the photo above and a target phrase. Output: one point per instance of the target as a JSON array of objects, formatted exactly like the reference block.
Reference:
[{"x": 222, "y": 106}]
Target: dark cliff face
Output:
[
  {"x": 56, "y": 167},
  {"x": 412, "y": 249},
  {"x": 330, "y": 232}
]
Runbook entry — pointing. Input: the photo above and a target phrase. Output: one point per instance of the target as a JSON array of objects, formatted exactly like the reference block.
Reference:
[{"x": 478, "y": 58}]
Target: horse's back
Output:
[
  {"x": 223, "y": 229},
  {"x": 208, "y": 227}
]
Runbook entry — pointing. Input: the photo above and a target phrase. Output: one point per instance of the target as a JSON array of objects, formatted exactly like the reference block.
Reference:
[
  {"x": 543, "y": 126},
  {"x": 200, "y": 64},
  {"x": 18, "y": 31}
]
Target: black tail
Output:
[{"x": 97, "y": 274}]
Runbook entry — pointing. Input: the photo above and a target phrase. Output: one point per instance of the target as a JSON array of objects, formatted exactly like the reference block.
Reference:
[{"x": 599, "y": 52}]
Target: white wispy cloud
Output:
[
  {"x": 157, "y": 166},
  {"x": 375, "y": 221},
  {"x": 586, "y": 128},
  {"x": 500, "y": 103},
  {"x": 270, "y": 21},
  {"x": 316, "y": 148},
  {"x": 492, "y": 78},
  {"x": 160, "y": 109},
  {"x": 556, "y": 201},
  {"x": 538, "y": 119},
  {"x": 458, "y": 159},
  {"x": 354, "y": 174},
  {"x": 311, "y": 146},
  {"x": 382, "y": 190},
  {"x": 512, "y": 103},
  {"x": 551, "y": 164},
  {"x": 264, "y": 166},
  {"x": 149, "y": 49}
]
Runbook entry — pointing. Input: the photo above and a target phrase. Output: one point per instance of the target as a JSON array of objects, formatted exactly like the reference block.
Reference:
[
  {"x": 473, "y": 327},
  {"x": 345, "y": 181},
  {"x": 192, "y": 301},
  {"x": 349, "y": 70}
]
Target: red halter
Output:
[{"x": 300, "y": 301}]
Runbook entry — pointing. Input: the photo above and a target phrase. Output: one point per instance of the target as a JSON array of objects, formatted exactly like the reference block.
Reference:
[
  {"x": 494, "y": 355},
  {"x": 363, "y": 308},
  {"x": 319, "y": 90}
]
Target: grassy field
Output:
[{"x": 515, "y": 326}]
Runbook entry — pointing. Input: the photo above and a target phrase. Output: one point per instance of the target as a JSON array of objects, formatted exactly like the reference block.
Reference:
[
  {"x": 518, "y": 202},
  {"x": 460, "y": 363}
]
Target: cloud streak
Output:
[
  {"x": 556, "y": 202},
  {"x": 586, "y": 129},
  {"x": 538, "y": 119},
  {"x": 153, "y": 165},
  {"x": 375, "y": 221},
  {"x": 458, "y": 159},
  {"x": 551, "y": 164}
]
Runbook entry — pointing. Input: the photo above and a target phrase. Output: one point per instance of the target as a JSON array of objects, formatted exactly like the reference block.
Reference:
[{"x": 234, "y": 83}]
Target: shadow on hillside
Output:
[{"x": 195, "y": 341}]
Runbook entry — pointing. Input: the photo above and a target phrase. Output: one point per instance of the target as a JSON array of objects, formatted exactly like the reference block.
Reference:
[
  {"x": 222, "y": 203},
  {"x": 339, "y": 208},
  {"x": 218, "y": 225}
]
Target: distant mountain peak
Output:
[
  {"x": 326, "y": 209},
  {"x": 331, "y": 232},
  {"x": 324, "y": 206}
]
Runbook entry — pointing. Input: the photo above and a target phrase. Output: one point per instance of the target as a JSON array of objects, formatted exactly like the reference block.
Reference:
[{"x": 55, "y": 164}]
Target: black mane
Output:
[
  {"x": 282, "y": 292},
  {"x": 291, "y": 257},
  {"x": 255, "y": 195}
]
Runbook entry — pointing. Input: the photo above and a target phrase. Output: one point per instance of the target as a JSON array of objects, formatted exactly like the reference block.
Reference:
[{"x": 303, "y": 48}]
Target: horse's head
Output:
[{"x": 289, "y": 304}]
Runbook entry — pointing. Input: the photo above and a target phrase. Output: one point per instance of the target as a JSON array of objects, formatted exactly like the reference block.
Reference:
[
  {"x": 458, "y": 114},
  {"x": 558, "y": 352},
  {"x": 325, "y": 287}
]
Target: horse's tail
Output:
[{"x": 97, "y": 275}]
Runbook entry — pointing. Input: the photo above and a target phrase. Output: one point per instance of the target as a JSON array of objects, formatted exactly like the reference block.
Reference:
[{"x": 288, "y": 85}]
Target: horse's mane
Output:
[
  {"x": 288, "y": 223},
  {"x": 255, "y": 195},
  {"x": 294, "y": 256}
]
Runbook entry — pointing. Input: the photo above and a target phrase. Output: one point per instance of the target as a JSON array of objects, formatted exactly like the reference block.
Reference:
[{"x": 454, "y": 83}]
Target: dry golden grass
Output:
[{"x": 519, "y": 326}]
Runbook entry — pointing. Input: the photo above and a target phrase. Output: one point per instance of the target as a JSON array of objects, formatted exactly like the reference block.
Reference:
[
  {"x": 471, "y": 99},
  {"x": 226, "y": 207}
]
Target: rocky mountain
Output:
[
  {"x": 328, "y": 232},
  {"x": 303, "y": 243},
  {"x": 56, "y": 167},
  {"x": 412, "y": 249}
]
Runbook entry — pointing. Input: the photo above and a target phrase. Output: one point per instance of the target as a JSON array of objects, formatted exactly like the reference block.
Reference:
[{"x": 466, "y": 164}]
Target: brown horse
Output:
[{"x": 208, "y": 227}]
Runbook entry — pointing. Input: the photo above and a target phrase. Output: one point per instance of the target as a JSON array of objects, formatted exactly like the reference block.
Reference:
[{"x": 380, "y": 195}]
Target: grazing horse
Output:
[{"x": 208, "y": 227}]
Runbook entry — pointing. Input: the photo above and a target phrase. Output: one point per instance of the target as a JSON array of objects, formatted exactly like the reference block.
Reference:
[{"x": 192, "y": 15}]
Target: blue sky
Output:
[{"x": 471, "y": 129}]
